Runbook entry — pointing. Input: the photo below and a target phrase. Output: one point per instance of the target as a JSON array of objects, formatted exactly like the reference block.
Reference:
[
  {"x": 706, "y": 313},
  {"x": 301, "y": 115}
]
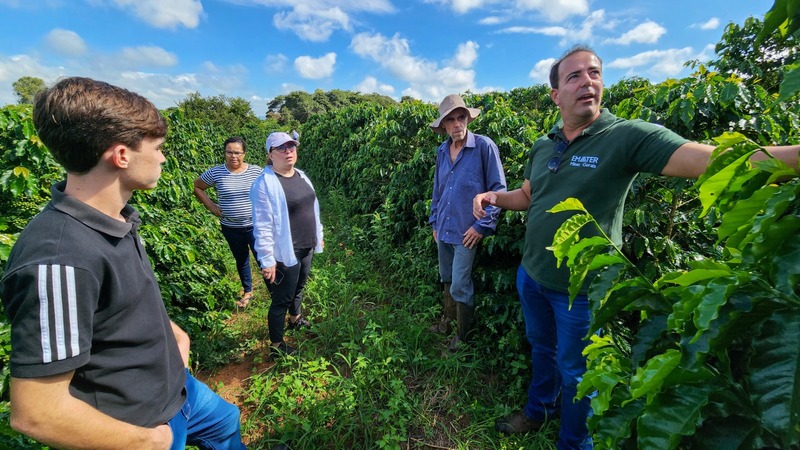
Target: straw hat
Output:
[{"x": 448, "y": 105}]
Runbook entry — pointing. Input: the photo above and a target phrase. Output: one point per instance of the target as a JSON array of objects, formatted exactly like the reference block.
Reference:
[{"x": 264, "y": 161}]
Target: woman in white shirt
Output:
[{"x": 288, "y": 231}]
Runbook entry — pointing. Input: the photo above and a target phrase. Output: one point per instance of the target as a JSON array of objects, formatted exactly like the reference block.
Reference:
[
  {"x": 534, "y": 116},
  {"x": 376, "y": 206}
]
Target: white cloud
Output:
[
  {"x": 147, "y": 56},
  {"x": 463, "y": 6},
  {"x": 316, "y": 20},
  {"x": 426, "y": 79},
  {"x": 393, "y": 55},
  {"x": 708, "y": 52},
  {"x": 540, "y": 73},
  {"x": 492, "y": 20},
  {"x": 65, "y": 42},
  {"x": 547, "y": 31},
  {"x": 645, "y": 33},
  {"x": 275, "y": 63},
  {"x": 554, "y": 10},
  {"x": 657, "y": 63},
  {"x": 315, "y": 68},
  {"x": 164, "y": 90},
  {"x": 15, "y": 67},
  {"x": 312, "y": 24},
  {"x": 587, "y": 31},
  {"x": 712, "y": 24},
  {"x": 466, "y": 54},
  {"x": 372, "y": 6},
  {"x": 163, "y": 14},
  {"x": 371, "y": 85},
  {"x": 290, "y": 87}
]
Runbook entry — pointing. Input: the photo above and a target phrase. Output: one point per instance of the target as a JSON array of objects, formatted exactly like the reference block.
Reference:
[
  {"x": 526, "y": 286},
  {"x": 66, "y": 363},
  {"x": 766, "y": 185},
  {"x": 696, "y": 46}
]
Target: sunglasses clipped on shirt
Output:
[{"x": 555, "y": 161}]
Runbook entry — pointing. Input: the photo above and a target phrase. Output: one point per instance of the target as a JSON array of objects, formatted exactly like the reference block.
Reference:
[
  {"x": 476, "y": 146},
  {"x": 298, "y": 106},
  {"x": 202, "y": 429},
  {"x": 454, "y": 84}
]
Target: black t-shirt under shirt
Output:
[{"x": 300, "y": 201}]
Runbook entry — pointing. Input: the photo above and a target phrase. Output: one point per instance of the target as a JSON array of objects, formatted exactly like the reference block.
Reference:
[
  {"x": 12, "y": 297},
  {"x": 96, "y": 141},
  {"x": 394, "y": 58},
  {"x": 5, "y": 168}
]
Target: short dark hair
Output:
[
  {"x": 572, "y": 50},
  {"x": 236, "y": 139},
  {"x": 79, "y": 118}
]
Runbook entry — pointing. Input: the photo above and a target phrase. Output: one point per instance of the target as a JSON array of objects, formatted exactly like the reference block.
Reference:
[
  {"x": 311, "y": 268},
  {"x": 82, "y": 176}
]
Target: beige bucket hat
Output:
[{"x": 450, "y": 103}]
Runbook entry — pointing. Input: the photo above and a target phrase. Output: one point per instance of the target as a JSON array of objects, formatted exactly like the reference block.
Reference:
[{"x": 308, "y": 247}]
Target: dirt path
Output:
[{"x": 232, "y": 380}]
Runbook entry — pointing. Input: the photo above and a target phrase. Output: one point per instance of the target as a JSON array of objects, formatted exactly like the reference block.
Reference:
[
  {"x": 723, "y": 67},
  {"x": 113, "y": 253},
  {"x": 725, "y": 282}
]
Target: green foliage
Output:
[
  {"x": 369, "y": 375},
  {"x": 190, "y": 257},
  {"x": 784, "y": 16},
  {"x": 763, "y": 64},
  {"x": 26, "y": 167},
  {"x": 715, "y": 342},
  {"x": 393, "y": 152},
  {"x": 708, "y": 104},
  {"x": 296, "y": 108},
  {"x": 230, "y": 116},
  {"x": 26, "y": 88},
  {"x": 9, "y": 438}
]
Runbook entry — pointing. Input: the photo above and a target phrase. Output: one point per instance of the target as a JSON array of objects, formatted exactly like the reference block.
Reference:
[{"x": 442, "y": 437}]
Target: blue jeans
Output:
[
  {"x": 242, "y": 242},
  {"x": 557, "y": 337},
  {"x": 455, "y": 267},
  {"x": 205, "y": 420}
]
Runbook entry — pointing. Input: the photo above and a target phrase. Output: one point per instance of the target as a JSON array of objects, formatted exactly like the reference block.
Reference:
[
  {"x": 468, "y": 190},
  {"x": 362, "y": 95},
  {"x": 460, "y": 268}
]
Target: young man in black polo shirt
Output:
[{"x": 95, "y": 360}]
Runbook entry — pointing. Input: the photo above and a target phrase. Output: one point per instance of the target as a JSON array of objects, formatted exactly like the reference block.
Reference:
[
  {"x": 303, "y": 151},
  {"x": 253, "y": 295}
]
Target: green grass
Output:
[{"x": 370, "y": 375}]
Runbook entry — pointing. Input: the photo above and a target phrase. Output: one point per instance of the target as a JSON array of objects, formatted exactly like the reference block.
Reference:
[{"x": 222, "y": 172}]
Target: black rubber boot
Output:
[
  {"x": 466, "y": 320},
  {"x": 449, "y": 314}
]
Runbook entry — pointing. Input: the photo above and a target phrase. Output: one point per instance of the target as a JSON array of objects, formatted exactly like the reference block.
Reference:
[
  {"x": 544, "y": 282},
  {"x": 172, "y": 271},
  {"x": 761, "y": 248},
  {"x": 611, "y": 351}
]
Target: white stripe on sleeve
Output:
[
  {"x": 44, "y": 317},
  {"x": 58, "y": 312},
  {"x": 72, "y": 304}
]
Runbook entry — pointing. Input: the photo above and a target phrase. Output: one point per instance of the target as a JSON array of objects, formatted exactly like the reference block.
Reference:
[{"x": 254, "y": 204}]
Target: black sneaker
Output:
[
  {"x": 300, "y": 323},
  {"x": 282, "y": 349}
]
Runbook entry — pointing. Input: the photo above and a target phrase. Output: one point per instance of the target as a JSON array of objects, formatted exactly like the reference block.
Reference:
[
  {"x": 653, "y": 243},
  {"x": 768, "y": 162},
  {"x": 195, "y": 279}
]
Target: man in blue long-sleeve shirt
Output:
[{"x": 466, "y": 164}]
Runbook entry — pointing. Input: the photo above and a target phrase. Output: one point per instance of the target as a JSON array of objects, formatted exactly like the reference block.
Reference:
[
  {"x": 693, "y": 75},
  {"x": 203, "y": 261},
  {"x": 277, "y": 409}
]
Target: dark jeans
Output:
[
  {"x": 242, "y": 242},
  {"x": 287, "y": 292},
  {"x": 557, "y": 334}
]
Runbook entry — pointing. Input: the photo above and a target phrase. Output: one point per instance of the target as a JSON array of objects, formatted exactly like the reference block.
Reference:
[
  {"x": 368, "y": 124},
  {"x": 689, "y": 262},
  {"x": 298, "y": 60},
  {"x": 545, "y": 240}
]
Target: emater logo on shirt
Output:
[{"x": 584, "y": 161}]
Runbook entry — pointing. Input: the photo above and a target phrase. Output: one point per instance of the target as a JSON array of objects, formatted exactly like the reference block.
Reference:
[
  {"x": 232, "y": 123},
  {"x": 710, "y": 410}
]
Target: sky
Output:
[{"x": 426, "y": 49}]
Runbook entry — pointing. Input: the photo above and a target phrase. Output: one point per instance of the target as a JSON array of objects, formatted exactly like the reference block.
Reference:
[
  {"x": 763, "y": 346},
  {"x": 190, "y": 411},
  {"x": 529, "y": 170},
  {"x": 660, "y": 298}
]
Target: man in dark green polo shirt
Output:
[{"x": 592, "y": 156}]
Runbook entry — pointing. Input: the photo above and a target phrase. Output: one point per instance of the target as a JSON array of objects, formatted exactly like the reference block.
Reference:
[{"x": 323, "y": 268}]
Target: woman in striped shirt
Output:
[{"x": 232, "y": 181}]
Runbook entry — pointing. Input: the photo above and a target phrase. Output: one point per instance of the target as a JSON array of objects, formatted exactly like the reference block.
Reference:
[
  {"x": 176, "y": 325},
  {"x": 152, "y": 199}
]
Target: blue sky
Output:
[{"x": 259, "y": 49}]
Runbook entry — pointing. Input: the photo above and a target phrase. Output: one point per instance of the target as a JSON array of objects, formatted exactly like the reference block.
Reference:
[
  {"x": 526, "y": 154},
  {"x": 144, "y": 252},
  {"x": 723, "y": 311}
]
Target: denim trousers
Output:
[
  {"x": 455, "y": 267},
  {"x": 241, "y": 242},
  {"x": 557, "y": 335},
  {"x": 287, "y": 292},
  {"x": 206, "y": 420}
]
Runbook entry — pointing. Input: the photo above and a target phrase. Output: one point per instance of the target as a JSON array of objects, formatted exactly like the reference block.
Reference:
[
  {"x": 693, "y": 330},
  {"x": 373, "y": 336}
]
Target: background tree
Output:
[
  {"x": 763, "y": 64},
  {"x": 296, "y": 107},
  {"x": 785, "y": 18},
  {"x": 229, "y": 114},
  {"x": 26, "y": 88}
]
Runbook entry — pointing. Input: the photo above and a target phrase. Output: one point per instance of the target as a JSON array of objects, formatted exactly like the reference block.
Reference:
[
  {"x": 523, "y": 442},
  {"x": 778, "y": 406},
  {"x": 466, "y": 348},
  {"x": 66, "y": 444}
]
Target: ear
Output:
[
  {"x": 554, "y": 95},
  {"x": 118, "y": 155}
]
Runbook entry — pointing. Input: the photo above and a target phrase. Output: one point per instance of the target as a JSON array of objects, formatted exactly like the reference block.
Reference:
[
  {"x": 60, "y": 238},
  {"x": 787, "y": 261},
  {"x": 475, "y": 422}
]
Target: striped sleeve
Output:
[
  {"x": 51, "y": 308},
  {"x": 210, "y": 176}
]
